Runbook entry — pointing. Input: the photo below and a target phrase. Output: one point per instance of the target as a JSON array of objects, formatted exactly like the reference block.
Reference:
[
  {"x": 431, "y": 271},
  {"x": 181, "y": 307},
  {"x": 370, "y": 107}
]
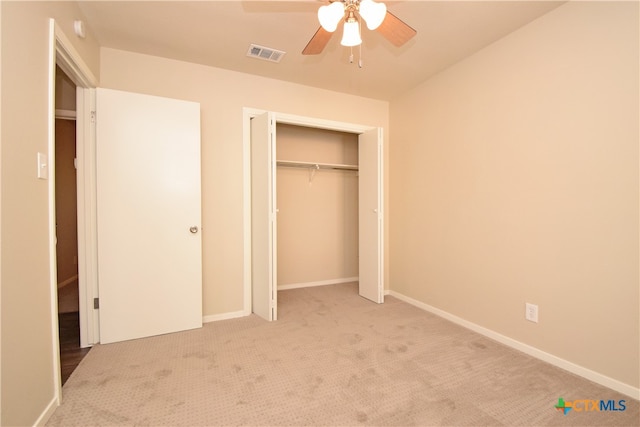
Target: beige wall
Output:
[
  {"x": 27, "y": 349},
  {"x": 65, "y": 92},
  {"x": 222, "y": 95},
  {"x": 1, "y": 215},
  {"x": 66, "y": 203},
  {"x": 515, "y": 179},
  {"x": 317, "y": 212}
]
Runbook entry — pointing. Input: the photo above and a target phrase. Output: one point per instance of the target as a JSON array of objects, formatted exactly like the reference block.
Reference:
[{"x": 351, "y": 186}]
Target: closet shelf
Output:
[{"x": 313, "y": 165}]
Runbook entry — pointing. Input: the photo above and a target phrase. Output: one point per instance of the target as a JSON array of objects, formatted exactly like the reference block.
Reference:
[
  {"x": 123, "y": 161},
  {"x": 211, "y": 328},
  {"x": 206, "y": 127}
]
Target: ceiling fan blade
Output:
[
  {"x": 318, "y": 42},
  {"x": 396, "y": 30}
]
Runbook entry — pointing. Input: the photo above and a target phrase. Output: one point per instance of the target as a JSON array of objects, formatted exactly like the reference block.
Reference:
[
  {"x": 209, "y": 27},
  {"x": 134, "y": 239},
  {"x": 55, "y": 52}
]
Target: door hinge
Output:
[
  {"x": 93, "y": 117},
  {"x": 75, "y": 162},
  {"x": 96, "y": 303}
]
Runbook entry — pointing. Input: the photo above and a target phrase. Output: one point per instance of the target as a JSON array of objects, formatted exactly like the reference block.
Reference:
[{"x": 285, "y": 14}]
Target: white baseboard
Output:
[
  {"x": 224, "y": 316},
  {"x": 320, "y": 283},
  {"x": 47, "y": 413},
  {"x": 525, "y": 348}
]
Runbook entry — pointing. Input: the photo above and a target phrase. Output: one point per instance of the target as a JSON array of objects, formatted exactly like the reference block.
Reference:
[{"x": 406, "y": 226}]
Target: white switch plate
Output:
[
  {"x": 531, "y": 312},
  {"x": 43, "y": 166}
]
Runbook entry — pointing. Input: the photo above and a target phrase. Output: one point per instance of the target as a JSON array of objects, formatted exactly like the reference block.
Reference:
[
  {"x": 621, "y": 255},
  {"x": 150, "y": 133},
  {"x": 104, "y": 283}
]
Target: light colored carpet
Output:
[{"x": 332, "y": 359}]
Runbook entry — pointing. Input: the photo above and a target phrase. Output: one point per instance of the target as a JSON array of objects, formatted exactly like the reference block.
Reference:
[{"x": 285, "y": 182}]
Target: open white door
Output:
[
  {"x": 148, "y": 215},
  {"x": 370, "y": 215},
  {"x": 264, "y": 292}
]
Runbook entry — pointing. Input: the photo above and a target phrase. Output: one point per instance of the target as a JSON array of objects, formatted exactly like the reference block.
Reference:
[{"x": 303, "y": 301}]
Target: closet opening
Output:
[
  {"x": 316, "y": 198},
  {"x": 317, "y": 205}
]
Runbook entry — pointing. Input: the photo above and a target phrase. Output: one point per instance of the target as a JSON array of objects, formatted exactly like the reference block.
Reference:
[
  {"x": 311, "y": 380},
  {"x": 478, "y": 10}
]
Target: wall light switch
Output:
[
  {"x": 43, "y": 166},
  {"x": 531, "y": 312}
]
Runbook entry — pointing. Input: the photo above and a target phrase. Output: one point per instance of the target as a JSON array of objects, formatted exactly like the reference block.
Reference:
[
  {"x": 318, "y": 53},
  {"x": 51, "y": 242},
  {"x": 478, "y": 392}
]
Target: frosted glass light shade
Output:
[
  {"x": 373, "y": 13},
  {"x": 330, "y": 15},
  {"x": 351, "y": 34}
]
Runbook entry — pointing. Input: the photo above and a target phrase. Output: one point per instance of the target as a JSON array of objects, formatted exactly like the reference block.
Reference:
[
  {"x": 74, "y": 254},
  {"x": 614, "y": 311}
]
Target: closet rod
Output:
[{"x": 312, "y": 165}]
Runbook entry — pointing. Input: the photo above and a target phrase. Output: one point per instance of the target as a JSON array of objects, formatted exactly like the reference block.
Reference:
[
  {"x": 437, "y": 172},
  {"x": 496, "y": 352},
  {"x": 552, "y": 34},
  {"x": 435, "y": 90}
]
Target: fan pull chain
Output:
[{"x": 359, "y": 47}]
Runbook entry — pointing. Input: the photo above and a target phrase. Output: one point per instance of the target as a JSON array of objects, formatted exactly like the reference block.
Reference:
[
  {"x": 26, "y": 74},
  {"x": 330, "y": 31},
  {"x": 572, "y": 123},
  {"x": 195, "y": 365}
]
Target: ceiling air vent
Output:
[{"x": 265, "y": 53}]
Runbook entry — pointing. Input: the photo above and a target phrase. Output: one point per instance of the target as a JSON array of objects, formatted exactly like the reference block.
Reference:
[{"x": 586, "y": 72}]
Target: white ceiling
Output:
[{"x": 218, "y": 34}]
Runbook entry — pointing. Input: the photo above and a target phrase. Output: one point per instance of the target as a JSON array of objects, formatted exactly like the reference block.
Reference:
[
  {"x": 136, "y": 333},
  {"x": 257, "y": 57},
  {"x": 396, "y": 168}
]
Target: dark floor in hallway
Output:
[{"x": 70, "y": 352}]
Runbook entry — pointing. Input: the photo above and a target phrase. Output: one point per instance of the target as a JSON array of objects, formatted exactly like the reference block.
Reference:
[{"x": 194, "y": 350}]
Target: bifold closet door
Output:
[
  {"x": 370, "y": 215},
  {"x": 264, "y": 292},
  {"x": 264, "y": 216},
  {"x": 148, "y": 215}
]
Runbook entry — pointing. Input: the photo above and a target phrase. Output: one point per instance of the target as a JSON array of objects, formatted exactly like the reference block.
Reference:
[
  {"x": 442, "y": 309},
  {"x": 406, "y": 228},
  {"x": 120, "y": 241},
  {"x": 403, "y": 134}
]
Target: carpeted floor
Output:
[{"x": 332, "y": 359}]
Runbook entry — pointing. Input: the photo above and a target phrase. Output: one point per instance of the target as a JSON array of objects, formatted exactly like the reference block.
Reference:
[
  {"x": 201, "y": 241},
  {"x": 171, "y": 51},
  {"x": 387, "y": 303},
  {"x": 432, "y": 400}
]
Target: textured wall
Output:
[{"x": 515, "y": 179}]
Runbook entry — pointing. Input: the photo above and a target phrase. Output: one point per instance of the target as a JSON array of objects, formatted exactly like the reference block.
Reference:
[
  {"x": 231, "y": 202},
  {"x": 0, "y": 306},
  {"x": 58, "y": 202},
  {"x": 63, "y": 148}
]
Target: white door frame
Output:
[
  {"x": 290, "y": 119},
  {"x": 63, "y": 54}
]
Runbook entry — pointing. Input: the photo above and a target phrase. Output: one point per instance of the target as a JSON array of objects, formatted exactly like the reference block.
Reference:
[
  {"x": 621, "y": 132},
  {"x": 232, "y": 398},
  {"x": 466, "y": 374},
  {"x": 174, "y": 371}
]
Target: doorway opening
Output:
[
  {"x": 64, "y": 56},
  {"x": 66, "y": 203}
]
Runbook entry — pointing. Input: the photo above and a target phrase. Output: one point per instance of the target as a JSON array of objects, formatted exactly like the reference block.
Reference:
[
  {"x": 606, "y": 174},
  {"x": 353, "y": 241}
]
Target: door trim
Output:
[
  {"x": 63, "y": 54},
  {"x": 87, "y": 216},
  {"x": 291, "y": 119}
]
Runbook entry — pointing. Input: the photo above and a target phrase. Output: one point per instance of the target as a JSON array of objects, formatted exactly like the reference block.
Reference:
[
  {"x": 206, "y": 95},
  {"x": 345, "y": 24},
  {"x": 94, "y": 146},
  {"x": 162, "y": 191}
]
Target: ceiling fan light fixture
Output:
[
  {"x": 351, "y": 33},
  {"x": 330, "y": 15},
  {"x": 373, "y": 13}
]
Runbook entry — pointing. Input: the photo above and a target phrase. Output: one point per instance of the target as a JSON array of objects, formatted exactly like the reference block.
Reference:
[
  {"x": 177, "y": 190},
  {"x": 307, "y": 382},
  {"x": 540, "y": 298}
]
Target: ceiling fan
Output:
[{"x": 374, "y": 14}]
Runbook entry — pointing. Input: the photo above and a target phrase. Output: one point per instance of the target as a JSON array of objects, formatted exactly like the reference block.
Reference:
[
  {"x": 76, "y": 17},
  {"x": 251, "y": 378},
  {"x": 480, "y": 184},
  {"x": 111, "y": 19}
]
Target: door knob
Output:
[{"x": 193, "y": 229}]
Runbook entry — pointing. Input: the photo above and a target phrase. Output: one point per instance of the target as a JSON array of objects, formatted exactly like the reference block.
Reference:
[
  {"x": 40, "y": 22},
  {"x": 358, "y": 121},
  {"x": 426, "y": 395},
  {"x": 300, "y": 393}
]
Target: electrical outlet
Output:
[{"x": 531, "y": 312}]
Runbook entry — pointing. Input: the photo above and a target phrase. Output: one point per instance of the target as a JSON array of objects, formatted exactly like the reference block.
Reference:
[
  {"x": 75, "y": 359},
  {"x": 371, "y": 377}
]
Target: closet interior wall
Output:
[{"x": 317, "y": 234}]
